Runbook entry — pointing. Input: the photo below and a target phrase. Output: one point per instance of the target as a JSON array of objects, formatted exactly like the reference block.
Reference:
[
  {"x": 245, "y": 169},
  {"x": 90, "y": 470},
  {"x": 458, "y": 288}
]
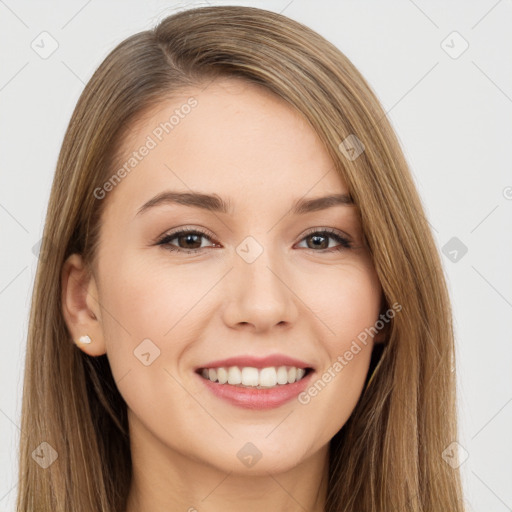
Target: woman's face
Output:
[{"x": 265, "y": 281}]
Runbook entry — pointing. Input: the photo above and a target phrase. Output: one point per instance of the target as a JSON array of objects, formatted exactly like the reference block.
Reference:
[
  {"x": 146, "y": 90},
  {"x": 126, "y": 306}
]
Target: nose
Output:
[{"x": 260, "y": 295}]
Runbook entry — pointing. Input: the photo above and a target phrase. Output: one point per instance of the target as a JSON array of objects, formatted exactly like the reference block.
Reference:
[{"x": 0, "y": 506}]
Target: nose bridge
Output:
[
  {"x": 257, "y": 267},
  {"x": 259, "y": 293}
]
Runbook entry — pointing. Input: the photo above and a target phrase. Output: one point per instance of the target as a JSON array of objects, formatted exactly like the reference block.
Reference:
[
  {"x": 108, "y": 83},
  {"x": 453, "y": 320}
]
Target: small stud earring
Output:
[{"x": 84, "y": 339}]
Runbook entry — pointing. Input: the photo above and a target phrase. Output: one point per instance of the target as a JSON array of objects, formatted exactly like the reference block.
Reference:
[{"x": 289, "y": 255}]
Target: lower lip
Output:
[{"x": 252, "y": 398}]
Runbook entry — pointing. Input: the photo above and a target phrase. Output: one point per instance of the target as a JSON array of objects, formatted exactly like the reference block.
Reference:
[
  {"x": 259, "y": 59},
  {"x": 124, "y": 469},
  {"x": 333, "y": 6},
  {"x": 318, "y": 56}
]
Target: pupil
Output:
[
  {"x": 316, "y": 238},
  {"x": 190, "y": 238}
]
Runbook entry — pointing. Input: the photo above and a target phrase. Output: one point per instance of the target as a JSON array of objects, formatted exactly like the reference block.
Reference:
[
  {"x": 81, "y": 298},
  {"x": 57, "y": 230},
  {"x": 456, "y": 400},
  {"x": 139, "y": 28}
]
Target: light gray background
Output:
[{"x": 453, "y": 118}]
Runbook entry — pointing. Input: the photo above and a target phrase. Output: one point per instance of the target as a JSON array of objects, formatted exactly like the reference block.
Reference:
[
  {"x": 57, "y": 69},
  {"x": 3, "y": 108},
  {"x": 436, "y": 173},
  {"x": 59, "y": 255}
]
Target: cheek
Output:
[
  {"x": 153, "y": 315},
  {"x": 148, "y": 301},
  {"x": 348, "y": 305},
  {"x": 347, "y": 300},
  {"x": 147, "y": 314},
  {"x": 144, "y": 309}
]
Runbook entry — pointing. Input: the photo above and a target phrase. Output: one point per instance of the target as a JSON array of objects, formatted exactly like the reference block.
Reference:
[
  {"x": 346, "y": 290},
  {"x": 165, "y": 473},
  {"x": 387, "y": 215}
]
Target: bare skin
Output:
[{"x": 296, "y": 298}]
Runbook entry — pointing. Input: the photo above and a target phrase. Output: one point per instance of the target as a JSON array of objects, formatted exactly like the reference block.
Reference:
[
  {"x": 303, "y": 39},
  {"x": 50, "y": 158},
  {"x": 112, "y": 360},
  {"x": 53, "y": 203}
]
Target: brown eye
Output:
[
  {"x": 320, "y": 240},
  {"x": 188, "y": 241}
]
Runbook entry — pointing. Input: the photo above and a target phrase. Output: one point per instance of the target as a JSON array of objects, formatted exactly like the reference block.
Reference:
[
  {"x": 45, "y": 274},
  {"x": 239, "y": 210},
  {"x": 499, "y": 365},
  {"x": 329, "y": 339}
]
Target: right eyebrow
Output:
[{"x": 209, "y": 202}]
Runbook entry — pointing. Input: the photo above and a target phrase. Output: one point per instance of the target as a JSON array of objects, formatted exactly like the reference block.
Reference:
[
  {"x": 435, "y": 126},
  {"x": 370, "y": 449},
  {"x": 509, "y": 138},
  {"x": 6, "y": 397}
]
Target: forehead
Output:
[{"x": 230, "y": 137}]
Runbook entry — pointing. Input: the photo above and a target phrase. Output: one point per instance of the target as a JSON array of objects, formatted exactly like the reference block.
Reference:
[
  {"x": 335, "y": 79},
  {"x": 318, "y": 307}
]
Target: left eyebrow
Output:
[
  {"x": 214, "y": 203},
  {"x": 321, "y": 203}
]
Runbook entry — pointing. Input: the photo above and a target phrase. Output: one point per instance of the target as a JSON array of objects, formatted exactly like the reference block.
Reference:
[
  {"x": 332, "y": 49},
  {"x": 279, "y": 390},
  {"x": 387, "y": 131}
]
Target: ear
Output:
[{"x": 80, "y": 306}]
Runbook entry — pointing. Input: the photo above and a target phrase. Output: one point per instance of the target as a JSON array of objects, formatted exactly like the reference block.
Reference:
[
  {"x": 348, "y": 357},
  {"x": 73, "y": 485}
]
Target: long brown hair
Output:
[{"x": 388, "y": 456}]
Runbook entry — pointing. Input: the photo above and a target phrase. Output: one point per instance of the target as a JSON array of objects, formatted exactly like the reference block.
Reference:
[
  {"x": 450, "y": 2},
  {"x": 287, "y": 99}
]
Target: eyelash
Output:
[{"x": 331, "y": 233}]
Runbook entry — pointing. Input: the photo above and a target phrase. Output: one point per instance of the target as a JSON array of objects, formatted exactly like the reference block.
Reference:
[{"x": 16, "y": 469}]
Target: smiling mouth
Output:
[{"x": 256, "y": 378}]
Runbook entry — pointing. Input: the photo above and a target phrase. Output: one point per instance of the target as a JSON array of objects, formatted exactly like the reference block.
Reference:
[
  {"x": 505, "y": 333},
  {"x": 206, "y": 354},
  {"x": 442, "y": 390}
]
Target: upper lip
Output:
[{"x": 257, "y": 362}]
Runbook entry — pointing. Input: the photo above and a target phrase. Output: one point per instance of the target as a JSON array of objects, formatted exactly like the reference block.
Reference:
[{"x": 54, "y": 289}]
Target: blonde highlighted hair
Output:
[{"x": 388, "y": 456}]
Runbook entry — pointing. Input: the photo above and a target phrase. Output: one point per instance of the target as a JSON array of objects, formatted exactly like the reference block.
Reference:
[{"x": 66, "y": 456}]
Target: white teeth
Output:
[
  {"x": 250, "y": 376},
  {"x": 254, "y": 377},
  {"x": 282, "y": 375},
  {"x": 222, "y": 375},
  {"x": 268, "y": 377},
  {"x": 234, "y": 375}
]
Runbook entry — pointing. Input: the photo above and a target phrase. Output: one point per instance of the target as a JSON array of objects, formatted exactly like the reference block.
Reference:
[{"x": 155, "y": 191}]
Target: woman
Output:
[{"x": 241, "y": 305}]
